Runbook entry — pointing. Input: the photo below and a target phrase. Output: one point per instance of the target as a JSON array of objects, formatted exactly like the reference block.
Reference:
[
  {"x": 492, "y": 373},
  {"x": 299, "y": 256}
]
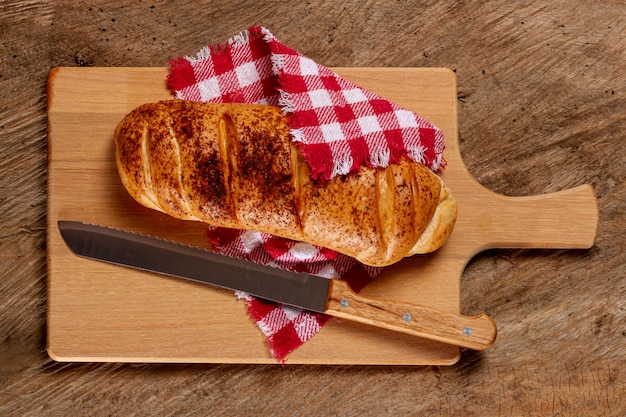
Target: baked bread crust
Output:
[{"x": 234, "y": 165}]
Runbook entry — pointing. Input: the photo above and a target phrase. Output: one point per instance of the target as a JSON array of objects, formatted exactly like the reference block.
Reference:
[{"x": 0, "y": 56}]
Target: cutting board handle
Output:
[{"x": 562, "y": 220}]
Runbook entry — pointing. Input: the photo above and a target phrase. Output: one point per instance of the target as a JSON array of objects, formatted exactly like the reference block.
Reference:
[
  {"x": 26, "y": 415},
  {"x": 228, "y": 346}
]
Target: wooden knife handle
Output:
[{"x": 477, "y": 332}]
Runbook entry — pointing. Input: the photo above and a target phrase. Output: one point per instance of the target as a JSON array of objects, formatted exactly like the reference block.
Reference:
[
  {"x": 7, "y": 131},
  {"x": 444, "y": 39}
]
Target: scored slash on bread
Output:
[{"x": 235, "y": 165}]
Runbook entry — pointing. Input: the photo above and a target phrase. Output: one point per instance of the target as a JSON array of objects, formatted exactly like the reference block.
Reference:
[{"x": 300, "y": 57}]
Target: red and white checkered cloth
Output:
[
  {"x": 338, "y": 127},
  {"x": 286, "y": 328}
]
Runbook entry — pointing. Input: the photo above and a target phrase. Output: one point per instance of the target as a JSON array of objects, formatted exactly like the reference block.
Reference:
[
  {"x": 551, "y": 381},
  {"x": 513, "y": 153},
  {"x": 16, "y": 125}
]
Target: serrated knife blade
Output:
[{"x": 310, "y": 292}]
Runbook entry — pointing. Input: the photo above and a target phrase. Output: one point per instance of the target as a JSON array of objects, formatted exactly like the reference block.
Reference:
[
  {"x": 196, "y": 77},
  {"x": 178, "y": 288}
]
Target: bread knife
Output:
[{"x": 310, "y": 292}]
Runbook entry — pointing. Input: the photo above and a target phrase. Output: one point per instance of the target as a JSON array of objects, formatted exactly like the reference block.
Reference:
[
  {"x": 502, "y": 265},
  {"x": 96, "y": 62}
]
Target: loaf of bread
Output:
[{"x": 235, "y": 165}]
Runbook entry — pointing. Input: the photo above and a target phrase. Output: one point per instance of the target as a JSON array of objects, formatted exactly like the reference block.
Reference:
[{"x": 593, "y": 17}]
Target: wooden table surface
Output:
[{"x": 542, "y": 108}]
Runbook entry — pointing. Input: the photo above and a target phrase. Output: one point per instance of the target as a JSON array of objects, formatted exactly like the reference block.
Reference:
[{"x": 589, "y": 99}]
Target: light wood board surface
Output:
[{"x": 100, "y": 312}]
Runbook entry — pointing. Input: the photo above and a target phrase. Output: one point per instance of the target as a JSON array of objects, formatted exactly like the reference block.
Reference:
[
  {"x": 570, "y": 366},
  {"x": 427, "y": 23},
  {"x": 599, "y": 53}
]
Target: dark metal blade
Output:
[{"x": 151, "y": 254}]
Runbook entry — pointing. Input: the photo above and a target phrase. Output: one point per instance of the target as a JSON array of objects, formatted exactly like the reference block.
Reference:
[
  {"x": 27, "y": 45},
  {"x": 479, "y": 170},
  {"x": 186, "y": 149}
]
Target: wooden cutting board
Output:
[{"x": 102, "y": 312}]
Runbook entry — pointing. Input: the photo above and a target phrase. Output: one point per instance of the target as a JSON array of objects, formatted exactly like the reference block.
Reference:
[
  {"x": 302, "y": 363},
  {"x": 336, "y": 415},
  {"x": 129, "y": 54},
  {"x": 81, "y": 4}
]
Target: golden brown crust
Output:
[
  {"x": 234, "y": 165},
  {"x": 440, "y": 226}
]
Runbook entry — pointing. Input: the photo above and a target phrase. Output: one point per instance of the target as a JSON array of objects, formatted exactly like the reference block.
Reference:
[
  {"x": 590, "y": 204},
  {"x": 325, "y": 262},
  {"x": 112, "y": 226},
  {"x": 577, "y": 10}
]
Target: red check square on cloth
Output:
[{"x": 338, "y": 127}]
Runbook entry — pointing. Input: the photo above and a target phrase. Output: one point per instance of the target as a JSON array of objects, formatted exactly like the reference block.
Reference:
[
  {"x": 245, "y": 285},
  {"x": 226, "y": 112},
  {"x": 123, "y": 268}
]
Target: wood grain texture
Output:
[
  {"x": 107, "y": 313},
  {"x": 541, "y": 109}
]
